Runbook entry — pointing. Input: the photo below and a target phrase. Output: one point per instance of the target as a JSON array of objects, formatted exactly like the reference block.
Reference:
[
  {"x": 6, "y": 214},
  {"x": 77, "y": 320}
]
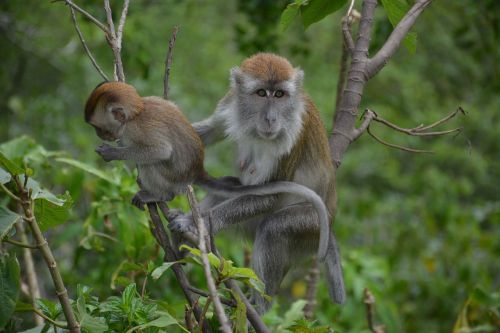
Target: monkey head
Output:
[
  {"x": 110, "y": 106},
  {"x": 268, "y": 96}
]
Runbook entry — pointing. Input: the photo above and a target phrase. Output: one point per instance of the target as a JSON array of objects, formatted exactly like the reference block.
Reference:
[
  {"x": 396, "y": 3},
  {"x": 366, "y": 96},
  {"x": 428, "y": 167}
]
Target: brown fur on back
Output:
[
  {"x": 311, "y": 147},
  {"x": 268, "y": 67},
  {"x": 164, "y": 121},
  {"x": 112, "y": 92}
]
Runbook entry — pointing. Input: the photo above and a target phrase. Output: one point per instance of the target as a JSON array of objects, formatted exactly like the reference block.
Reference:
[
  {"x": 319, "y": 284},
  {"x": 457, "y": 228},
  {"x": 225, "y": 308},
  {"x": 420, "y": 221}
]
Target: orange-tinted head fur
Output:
[
  {"x": 268, "y": 67},
  {"x": 110, "y": 106},
  {"x": 114, "y": 92}
]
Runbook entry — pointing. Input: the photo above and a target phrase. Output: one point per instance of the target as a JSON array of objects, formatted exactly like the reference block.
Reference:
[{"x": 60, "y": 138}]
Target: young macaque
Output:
[{"x": 153, "y": 133}]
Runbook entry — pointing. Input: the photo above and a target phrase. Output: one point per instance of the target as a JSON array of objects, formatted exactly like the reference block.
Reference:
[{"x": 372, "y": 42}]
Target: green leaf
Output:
[
  {"x": 52, "y": 212},
  {"x": 7, "y": 220},
  {"x": 89, "y": 168},
  {"x": 9, "y": 286},
  {"x": 396, "y": 10},
  {"x": 158, "y": 271},
  {"x": 49, "y": 308},
  {"x": 291, "y": 11},
  {"x": 294, "y": 313},
  {"x": 10, "y": 166},
  {"x": 163, "y": 321},
  {"x": 92, "y": 324},
  {"x": 240, "y": 315},
  {"x": 5, "y": 177},
  {"x": 315, "y": 10}
]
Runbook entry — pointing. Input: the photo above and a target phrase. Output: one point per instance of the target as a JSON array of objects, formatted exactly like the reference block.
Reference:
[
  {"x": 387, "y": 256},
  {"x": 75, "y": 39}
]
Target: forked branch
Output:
[
  {"x": 421, "y": 130},
  {"x": 168, "y": 61},
  {"x": 369, "y": 301}
]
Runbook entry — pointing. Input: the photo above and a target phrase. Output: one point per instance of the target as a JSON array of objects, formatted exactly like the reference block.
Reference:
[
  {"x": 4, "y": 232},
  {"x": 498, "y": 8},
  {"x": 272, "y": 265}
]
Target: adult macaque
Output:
[
  {"x": 168, "y": 153},
  {"x": 279, "y": 137}
]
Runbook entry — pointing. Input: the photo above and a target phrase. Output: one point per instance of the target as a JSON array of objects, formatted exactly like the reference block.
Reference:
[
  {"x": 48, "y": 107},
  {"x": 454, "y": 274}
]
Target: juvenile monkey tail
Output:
[{"x": 226, "y": 189}]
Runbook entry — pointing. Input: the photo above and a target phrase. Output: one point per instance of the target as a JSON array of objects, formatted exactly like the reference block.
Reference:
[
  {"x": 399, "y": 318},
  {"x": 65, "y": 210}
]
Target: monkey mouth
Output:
[{"x": 268, "y": 135}]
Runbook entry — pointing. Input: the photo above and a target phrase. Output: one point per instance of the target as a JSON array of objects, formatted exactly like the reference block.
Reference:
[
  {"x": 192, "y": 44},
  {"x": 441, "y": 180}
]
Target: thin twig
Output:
[
  {"x": 409, "y": 150},
  {"x": 86, "y": 14},
  {"x": 47, "y": 318},
  {"x": 168, "y": 61},
  {"x": 61, "y": 291},
  {"x": 225, "y": 301},
  {"x": 445, "y": 119},
  {"x": 202, "y": 235},
  {"x": 312, "y": 286},
  {"x": 20, "y": 244},
  {"x": 369, "y": 301},
  {"x": 9, "y": 193},
  {"x": 85, "y": 47}
]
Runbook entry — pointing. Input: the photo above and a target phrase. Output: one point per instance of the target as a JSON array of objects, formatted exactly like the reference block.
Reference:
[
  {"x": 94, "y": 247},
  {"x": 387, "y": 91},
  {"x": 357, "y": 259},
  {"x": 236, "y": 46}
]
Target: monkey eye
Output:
[
  {"x": 279, "y": 93},
  {"x": 261, "y": 93}
]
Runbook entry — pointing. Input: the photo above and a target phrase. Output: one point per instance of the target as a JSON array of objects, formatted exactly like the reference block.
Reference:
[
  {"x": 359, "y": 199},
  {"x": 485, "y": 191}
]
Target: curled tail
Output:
[{"x": 275, "y": 188}]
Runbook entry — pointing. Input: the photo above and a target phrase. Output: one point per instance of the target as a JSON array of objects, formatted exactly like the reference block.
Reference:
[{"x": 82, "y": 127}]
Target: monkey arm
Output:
[
  {"x": 210, "y": 130},
  {"x": 139, "y": 154}
]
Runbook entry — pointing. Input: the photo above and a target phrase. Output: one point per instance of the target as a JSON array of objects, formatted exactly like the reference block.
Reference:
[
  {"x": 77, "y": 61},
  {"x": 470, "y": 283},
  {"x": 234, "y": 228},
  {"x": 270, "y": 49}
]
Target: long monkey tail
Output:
[{"x": 274, "y": 188}]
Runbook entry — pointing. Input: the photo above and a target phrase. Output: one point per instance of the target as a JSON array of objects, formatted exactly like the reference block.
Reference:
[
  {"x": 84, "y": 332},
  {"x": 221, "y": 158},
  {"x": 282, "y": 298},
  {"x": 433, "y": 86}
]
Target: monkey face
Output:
[
  {"x": 268, "y": 108},
  {"x": 106, "y": 124}
]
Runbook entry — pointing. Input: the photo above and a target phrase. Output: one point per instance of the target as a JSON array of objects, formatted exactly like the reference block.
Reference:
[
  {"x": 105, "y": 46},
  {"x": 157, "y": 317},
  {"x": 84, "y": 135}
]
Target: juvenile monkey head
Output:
[
  {"x": 268, "y": 91},
  {"x": 110, "y": 106}
]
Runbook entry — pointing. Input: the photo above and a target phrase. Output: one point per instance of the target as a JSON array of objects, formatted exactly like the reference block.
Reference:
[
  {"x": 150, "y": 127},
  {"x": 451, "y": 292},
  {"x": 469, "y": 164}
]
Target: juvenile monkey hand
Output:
[
  {"x": 183, "y": 223},
  {"x": 107, "y": 152}
]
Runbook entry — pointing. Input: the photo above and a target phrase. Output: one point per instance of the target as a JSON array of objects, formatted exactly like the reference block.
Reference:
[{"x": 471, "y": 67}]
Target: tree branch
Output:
[
  {"x": 85, "y": 47},
  {"x": 168, "y": 61},
  {"x": 121, "y": 24},
  {"x": 161, "y": 236},
  {"x": 86, "y": 14},
  {"x": 202, "y": 234},
  {"x": 61, "y": 291},
  {"x": 392, "y": 44},
  {"x": 114, "y": 43}
]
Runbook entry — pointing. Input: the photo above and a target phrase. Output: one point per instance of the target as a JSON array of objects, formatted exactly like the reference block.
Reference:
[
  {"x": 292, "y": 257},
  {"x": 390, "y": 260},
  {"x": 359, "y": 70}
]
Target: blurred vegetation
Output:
[{"x": 422, "y": 232}]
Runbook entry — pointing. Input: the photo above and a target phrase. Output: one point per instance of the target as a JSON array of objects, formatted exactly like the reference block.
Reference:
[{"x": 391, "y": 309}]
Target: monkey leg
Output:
[{"x": 281, "y": 239}]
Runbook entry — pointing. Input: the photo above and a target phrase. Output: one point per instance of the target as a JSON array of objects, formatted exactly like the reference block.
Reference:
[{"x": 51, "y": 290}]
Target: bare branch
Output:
[
  {"x": 9, "y": 193},
  {"x": 87, "y": 50},
  {"x": 392, "y": 44},
  {"x": 225, "y": 301},
  {"x": 346, "y": 28},
  {"x": 188, "y": 318},
  {"x": 368, "y": 116},
  {"x": 202, "y": 231},
  {"x": 409, "y": 150},
  {"x": 86, "y": 14},
  {"x": 369, "y": 301},
  {"x": 445, "y": 119},
  {"x": 113, "y": 42},
  {"x": 168, "y": 61},
  {"x": 20, "y": 244},
  {"x": 121, "y": 24}
]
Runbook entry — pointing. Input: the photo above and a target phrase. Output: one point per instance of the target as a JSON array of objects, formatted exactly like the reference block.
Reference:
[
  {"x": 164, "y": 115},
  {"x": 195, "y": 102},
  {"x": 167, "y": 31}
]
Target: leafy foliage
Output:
[{"x": 9, "y": 286}]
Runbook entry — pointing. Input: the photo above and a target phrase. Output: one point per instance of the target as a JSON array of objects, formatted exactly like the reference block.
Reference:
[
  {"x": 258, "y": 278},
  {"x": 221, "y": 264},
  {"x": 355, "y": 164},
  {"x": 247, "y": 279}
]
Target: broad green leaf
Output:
[
  {"x": 49, "y": 214},
  {"x": 158, "y": 271},
  {"x": 93, "y": 324},
  {"x": 212, "y": 258},
  {"x": 316, "y": 10},
  {"x": 243, "y": 272},
  {"x": 7, "y": 220},
  {"x": 9, "y": 286},
  {"x": 89, "y": 168},
  {"x": 396, "y": 10},
  {"x": 163, "y": 321},
  {"x": 291, "y": 11},
  {"x": 49, "y": 308},
  {"x": 294, "y": 313},
  {"x": 10, "y": 166},
  {"x": 17, "y": 148},
  {"x": 5, "y": 177}
]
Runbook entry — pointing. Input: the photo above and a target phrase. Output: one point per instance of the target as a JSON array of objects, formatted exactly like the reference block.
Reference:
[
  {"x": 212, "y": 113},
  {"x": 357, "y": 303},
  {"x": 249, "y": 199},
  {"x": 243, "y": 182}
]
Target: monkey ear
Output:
[
  {"x": 298, "y": 77},
  {"x": 119, "y": 114},
  {"x": 235, "y": 77}
]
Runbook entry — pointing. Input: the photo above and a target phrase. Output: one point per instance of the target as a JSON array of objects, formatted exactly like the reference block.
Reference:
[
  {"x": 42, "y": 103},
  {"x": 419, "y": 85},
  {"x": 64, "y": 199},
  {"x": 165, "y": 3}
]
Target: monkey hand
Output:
[
  {"x": 183, "y": 223},
  {"x": 107, "y": 152}
]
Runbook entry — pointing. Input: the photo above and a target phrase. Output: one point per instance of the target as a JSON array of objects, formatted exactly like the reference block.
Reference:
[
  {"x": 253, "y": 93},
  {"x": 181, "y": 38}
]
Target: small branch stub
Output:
[{"x": 168, "y": 61}]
